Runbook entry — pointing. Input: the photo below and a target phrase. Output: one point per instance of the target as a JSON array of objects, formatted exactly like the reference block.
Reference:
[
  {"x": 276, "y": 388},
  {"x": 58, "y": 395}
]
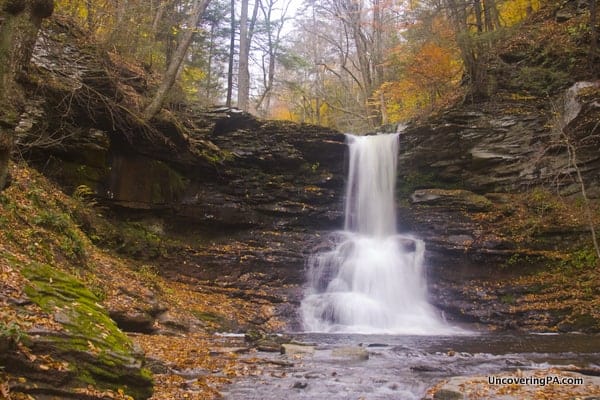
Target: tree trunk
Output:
[
  {"x": 19, "y": 24},
  {"x": 378, "y": 26},
  {"x": 470, "y": 50},
  {"x": 478, "y": 15},
  {"x": 243, "y": 78},
  {"x": 89, "y": 15},
  {"x": 231, "y": 56},
  {"x": 246, "y": 33},
  {"x": 160, "y": 11},
  {"x": 211, "y": 48},
  {"x": 353, "y": 17},
  {"x": 492, "y": 19},
  {"x": 273, "y": 44},
  {"x": 173, "y": 69}
]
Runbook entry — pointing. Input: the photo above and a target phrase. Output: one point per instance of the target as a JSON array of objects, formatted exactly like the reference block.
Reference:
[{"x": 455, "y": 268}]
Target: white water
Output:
[{"x": 372, "y": 280}]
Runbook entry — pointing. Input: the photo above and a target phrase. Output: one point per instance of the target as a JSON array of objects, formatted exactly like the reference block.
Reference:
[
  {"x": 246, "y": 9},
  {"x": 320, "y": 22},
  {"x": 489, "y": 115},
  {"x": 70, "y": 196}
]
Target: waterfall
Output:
[{"x": 372, "y": 280}]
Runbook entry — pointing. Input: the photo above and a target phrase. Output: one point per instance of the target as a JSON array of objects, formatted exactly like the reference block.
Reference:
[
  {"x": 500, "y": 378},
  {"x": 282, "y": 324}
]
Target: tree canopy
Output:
[{"x": 348, "y": 64}]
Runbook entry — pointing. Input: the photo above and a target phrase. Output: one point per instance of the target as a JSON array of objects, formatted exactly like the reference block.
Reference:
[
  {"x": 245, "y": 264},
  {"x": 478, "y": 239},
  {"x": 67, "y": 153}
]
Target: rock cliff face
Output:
[{"x": 489, "y": 188}]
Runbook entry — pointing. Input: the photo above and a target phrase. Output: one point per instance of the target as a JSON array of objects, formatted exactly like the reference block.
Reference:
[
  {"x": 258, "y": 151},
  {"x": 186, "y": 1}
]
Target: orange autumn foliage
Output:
[{"x": 430, "y": 77}]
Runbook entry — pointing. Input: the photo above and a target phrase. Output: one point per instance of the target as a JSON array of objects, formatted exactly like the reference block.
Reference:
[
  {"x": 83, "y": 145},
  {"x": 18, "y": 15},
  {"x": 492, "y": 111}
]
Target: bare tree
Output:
[{"x": 273, "y": 31}]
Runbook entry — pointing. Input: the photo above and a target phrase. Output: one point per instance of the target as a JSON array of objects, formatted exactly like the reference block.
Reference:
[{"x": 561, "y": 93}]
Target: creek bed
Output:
[{"x": 404, "y": 367}]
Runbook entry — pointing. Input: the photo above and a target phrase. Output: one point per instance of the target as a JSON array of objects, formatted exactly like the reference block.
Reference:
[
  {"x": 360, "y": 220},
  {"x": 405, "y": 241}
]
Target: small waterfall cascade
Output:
[{"x": 371, "y": 280}]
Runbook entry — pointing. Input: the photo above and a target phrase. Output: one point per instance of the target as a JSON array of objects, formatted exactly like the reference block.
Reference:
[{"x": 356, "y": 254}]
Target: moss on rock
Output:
[{"x": 100, "y": 354}]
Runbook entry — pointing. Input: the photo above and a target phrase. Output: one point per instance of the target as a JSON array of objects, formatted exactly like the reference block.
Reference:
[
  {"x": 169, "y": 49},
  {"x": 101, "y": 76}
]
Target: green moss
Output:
[
  {"x": 54, "y": 290},
  {"x": 101, "y": 354},
  {"x": 70, "y": 241},
  {"x": 508, "y": 299},
  {"x": 217, "y": 157},
  {"x": 136, "y": 240},
  {"x": 10, "y": 334},
  {"x": 578, "y": 260},
  {"x": 74, "y": 174}
]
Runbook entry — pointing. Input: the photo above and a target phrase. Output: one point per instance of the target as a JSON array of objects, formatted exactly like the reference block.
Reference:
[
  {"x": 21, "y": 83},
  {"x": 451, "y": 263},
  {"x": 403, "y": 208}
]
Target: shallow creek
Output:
[{"x": 402, "y": 367}]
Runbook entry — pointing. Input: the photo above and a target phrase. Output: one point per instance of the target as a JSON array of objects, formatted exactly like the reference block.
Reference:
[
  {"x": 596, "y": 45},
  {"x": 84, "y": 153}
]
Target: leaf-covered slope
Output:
[{"x": 61, "y": 299}]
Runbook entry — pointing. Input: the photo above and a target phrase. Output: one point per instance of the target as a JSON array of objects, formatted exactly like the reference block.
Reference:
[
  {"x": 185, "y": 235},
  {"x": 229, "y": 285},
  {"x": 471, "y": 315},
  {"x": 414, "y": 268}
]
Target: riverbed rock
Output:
[{"x": 292, "y": 349}]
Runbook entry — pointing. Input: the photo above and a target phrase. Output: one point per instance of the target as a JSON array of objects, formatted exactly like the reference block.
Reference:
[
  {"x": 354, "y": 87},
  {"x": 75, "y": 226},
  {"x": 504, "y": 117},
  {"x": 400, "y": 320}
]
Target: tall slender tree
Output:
[
  {"x": 243, "y": 71},
  {"x": 246, "y": 34},
  {"x": 231, "y": 56}
]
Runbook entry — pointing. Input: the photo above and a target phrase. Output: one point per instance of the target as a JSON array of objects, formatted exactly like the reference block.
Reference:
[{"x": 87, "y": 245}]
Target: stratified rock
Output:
[{"x": 457, "y": 199}]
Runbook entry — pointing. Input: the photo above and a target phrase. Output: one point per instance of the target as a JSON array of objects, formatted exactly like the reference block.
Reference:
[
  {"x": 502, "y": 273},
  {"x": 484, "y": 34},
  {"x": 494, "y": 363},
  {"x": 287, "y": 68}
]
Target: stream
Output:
[{"x": 403, "y": 367}]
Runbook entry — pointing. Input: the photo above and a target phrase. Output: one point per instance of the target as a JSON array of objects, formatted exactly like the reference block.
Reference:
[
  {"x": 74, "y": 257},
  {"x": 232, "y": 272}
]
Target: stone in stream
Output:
[
  {"x": 315, "y": 375},
  {"x": 299, "y": 385},
  {"x": 291, "y": 349},
  {"x": 268, "y": 346}
]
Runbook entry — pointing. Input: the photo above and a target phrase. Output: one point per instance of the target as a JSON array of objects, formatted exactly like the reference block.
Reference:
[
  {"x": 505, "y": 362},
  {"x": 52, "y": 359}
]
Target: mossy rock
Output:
[{"x": 97, "y": 351}]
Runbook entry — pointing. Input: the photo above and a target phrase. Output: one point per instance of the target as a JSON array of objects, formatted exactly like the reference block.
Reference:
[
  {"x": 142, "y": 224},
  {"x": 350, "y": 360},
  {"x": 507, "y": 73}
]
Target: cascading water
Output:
[{"x": 372, "y": 280}]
